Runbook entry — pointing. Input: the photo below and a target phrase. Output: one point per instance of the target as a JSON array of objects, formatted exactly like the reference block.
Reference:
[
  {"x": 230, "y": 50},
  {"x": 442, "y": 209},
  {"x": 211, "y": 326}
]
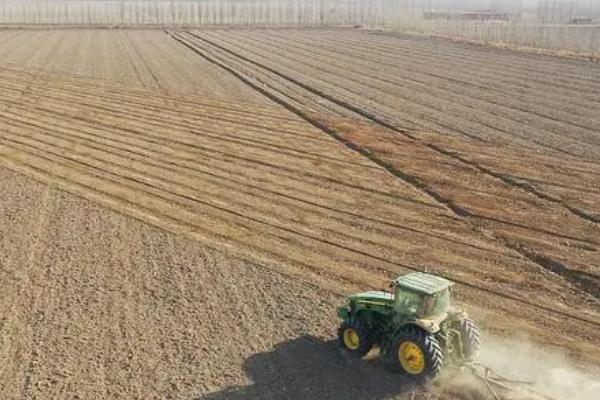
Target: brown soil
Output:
[{"x": 135, "y": 57}]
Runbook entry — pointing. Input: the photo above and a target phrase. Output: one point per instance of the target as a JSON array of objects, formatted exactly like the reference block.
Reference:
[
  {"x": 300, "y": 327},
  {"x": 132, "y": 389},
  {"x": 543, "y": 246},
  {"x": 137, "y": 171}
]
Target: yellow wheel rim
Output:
[
  {"x": 351, "y": 339},
  {"x": 411, "y": 358}
]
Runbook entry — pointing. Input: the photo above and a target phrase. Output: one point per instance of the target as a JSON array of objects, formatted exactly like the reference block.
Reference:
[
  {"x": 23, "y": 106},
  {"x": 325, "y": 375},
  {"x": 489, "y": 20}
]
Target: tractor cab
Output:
[{"x": 421, "y": 295}]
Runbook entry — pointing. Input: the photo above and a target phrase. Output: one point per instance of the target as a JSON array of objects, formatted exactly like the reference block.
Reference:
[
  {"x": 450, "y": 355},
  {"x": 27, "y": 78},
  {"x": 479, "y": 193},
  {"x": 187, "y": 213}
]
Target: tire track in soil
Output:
[
  {"x": 578, "y": 212},
  {"x": 186, "y": 75},
  {"x": 209, "y": 193},
  {"x": 240, "y": 139},
  {"x": 144, "y": 138},
  {"x": 150, "y": 113},
  {"x": 399, "y": 174},
  {"x": 409, "y": 99},
  {"x": 412, "y": 60},
  {"x": 385, "y": 111},
  {"x": 184, "y": 217},
  {"x": 369, "y": 114},
  {"x": 422, "y": 85},
  {"x": 386, "y": 266},
  {"x": 129, "y": 44},
  {"x": 144, "y": 157},
  {"x": 264, "y": 218},
  {"x": 36, "y": 306},
  {"x": 406, "y": 177},
  {"x": 542, "y": 253},
  {"x": 20, "y": 212},
  {"x": 434, "y": 87},
  {"x": 469, "y": 58},
  {"x": 87, "y": 87},
  {"x": 459, "y": 211}
]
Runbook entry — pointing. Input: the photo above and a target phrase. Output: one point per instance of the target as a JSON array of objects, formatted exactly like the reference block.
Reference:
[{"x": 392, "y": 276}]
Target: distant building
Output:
[
  {"x": 558, "y": 11},
  {"x": 480, "y": 16},
  {"x": 581, "y": 21}
]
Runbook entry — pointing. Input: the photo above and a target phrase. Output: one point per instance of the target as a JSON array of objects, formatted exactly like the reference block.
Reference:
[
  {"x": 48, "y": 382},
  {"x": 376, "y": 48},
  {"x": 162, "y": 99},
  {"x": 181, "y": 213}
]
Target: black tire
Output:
[
  {"x": 365, "y": 338},
  {"x": 428, "y": 345},
  {"x": 470, "y": 338}
]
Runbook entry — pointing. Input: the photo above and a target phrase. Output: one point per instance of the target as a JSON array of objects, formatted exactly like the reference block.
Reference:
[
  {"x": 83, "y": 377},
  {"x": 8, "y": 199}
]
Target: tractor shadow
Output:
[{"x": 308, "y": 368}]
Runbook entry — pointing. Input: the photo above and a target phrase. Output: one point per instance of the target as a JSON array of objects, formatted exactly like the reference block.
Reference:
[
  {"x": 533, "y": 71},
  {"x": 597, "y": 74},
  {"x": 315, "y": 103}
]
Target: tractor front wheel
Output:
[
  {"x": 355, "y": 337},
  {"x": 418, "y": 353}
]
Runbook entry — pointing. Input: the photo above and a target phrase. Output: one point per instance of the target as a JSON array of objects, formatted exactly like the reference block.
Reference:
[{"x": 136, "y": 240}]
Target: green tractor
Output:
[{"x": 414, "y": 324}]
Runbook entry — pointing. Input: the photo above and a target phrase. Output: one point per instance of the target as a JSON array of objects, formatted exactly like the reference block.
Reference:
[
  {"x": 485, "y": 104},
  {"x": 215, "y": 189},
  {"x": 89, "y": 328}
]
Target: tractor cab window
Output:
[
  {"x": 435, "y": 304},
  {"x": 408, "y": 302}
]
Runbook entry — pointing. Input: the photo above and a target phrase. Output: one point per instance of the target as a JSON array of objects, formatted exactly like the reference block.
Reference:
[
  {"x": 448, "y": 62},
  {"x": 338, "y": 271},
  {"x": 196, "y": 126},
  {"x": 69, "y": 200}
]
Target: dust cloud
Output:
[{"x": 549, "y": 371}]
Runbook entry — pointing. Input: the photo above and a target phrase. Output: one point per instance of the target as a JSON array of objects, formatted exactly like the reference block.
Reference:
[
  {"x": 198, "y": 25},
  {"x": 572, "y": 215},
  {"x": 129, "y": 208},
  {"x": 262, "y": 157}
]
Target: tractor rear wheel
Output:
[
  {"x": 417, "y": 353},
  {"x": 355, "y": 337},
  {"x": 470, "y": 338}
]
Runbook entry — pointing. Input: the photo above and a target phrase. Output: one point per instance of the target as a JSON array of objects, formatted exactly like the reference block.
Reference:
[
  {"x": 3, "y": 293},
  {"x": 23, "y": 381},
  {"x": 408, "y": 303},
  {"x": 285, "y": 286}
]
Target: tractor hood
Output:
[{"x": 373, "y": 298}]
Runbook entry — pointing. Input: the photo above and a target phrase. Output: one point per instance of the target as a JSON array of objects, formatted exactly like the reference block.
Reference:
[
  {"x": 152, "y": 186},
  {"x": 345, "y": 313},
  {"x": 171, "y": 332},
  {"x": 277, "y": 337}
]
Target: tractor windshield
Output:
[
  {"x": 408, "y": 302},
  {"x": 435, "y": 304}
]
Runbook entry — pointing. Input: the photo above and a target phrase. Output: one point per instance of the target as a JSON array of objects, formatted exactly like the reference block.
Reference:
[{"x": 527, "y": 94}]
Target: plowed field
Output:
[
  {"x": 146, "y": 58},
  {"x": 476, "y": 93},
  {"x": 183, "y": 243}
]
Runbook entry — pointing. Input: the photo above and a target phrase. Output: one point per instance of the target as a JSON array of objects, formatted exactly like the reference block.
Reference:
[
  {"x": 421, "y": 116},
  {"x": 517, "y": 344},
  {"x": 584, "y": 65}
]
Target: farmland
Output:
[
  {"x": 182, "y": 210},
  {"x": 142, "y": 58}
]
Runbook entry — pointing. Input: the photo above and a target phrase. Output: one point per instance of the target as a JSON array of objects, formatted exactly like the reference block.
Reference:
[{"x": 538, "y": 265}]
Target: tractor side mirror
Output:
[{"x": 391, "y": 288}]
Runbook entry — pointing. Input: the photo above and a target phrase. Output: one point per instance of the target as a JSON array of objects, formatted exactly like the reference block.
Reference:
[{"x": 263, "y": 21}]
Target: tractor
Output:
[{"x": 414, "y": 324}]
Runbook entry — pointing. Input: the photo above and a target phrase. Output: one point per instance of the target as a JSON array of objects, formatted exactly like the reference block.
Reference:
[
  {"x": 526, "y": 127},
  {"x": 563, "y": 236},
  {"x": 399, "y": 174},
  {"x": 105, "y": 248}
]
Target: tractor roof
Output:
[{"x": 423, "y": 283}]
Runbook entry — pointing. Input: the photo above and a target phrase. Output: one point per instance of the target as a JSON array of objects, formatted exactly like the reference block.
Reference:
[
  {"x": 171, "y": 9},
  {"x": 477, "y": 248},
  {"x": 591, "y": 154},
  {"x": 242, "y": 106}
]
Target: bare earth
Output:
[
  {"x": 190, "y": 237},
  {"x": 146, "y": 58}
]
